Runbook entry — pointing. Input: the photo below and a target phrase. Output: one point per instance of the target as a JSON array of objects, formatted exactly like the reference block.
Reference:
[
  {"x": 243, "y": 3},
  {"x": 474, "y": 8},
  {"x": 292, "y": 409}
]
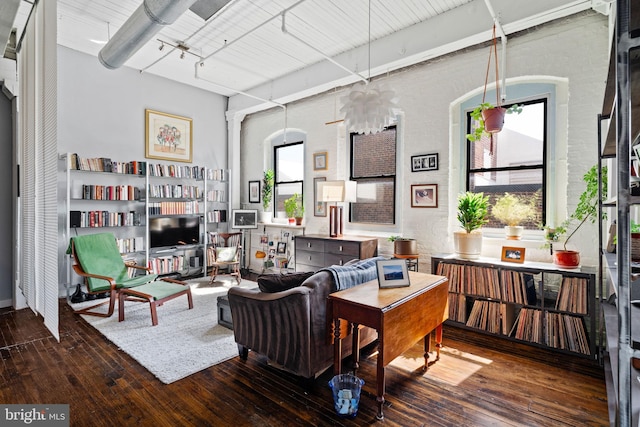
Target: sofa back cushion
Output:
[{"x": 271, "y": 283}]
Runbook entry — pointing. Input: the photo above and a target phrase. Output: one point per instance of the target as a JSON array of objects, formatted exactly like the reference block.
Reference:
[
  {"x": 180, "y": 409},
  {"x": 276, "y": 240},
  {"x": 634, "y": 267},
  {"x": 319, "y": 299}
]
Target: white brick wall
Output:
[{"x": 574, "y": 49}]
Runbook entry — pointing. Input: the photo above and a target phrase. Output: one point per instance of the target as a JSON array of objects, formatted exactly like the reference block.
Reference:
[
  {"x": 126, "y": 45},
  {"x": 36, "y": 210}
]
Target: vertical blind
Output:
[{"x": 37, "y": 67}]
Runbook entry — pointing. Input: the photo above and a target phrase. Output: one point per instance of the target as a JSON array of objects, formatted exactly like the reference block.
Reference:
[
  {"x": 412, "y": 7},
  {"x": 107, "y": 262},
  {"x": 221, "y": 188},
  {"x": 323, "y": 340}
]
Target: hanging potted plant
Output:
[
  {"x": 586, "y": 210},
  {"x": 472, "y": 215},
  {"x": 514, "y": 210},
  {"x": 267, "y": 191},
  {"x": 489, "y": 118}
]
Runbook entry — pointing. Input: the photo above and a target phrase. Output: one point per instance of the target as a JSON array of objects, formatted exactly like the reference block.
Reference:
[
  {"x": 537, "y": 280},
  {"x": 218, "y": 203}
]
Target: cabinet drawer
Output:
[
  {"x": 310, "y": 258},
  {"x": 306, "y": 268},
  {"x": 311, "y": 245},
  {"x": 344, "y": 248},
  {"x": 335, "y": 259}
]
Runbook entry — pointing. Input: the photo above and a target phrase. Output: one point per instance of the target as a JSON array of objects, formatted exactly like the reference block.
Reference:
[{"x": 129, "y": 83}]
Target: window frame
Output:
[{"x": 276, "y": 182}]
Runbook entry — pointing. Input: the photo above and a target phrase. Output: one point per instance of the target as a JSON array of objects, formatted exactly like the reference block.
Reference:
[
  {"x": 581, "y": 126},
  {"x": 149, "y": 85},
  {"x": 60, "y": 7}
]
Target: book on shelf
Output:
[{"x": 105, "y": 164}]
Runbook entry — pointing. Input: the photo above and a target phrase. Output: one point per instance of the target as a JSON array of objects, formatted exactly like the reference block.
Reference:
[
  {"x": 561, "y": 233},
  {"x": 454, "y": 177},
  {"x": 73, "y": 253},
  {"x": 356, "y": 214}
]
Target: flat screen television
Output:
[{"x": 174, "y": 231}]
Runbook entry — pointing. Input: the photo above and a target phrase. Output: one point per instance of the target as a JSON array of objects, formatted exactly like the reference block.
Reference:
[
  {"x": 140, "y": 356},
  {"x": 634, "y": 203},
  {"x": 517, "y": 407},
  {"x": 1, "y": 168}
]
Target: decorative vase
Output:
[
  {"x": 266, "y": 216},
  {"x": 566, "y": 259},
  {"x": 405, "y": 247},
  {"x": 467, "y": 245},
  {"x": 493, "y": 119},
  {"x": 513, "y": 232}
]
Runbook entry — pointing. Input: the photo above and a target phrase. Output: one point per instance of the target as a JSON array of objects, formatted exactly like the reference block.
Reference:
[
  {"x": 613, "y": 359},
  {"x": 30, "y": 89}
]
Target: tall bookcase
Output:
[
  {"x": 536, "y": 303},
  {"x": 621, "y": 311},
  {"x": 121, "y": 197}
]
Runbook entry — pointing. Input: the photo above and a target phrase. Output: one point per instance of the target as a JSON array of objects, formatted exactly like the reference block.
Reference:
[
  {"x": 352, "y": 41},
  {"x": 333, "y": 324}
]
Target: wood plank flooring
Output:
[{"x": 479, "y": 381}]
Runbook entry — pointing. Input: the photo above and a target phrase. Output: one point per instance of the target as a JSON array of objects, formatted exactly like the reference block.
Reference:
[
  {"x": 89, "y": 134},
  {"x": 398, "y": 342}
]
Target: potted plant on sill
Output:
[
  {"x": 586, "y": 210},
  {"x": 513, "y": 210},
  {"x": 404, "y": 245},
  {"x": 267, "y": 192},
  {"x": 472, "y": 215},
  {"x": 294, "y": 208}
]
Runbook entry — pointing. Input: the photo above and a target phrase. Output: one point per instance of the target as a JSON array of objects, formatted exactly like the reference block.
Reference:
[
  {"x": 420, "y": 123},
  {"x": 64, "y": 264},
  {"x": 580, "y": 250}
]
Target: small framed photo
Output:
[
  {"x": 424, "y": 196},
  {"x": 392, "y": 273},
  {"x": 254, "y": 191},
  {"x": 244, "y": 218},
  {"x": 282, "y": 248},
  {"x": 424, "y": 162},
  {"x": 320, "y": 161},
  {"x": 511, "y": 254},
  {"x": 319, "y": 208},
  {"x": 264, "y": 239}
]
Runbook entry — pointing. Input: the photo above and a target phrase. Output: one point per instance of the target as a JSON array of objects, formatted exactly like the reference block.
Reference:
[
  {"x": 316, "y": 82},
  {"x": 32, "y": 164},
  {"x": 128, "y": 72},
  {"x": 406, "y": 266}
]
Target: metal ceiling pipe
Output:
[{"x": 141, "y": 26}]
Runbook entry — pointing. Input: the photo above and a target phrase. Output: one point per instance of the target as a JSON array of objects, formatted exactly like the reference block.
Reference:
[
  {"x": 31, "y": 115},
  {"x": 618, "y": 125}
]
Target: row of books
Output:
[
  {"x": 110, "y": 192},
  {"x": 528, "y": 326},
  {"x": 457, "y": 307},
  {"x": 216, "y": 196},
  {"x": 471, "y": 279},
  {"x": 518, "y": 287},
  {"x": 103, "y": 219},
  {"x": 572, "y": 295},
  {"x": 217, "y": 216},
  {"x": 130, "y": 244},
  {"x": 486, "y": 315},
  {"x": 566, "y": 332},
  {"x": 105, "y": 164},
  {"x": 217, "y": 175},
  {"x": 174, "y": 208},
  {"x": 167, "y": 264},
  {"x": 177, "y": 171},
  {"x": 169, "y": 191}
]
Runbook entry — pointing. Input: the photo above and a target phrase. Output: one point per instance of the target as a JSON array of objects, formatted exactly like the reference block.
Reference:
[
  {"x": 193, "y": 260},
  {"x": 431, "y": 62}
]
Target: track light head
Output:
[{"x": 161, "y": 46}]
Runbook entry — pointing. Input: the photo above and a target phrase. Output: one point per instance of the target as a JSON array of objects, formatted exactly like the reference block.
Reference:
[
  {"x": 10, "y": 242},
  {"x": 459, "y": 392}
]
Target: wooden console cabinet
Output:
[{"x": 314, "y": 252}]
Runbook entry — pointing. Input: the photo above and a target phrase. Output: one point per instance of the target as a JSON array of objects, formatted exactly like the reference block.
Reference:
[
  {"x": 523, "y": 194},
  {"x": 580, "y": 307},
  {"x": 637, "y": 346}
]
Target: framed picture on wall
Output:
[
  {"x": 320, "y": 161},
  {"x": 168, "y": 137},
  {"x": 424, "y": 196},
  {"x": 319, "y": 208},
  {"x": 424, "y": 162},
  {"x": 254, "y": 191}
]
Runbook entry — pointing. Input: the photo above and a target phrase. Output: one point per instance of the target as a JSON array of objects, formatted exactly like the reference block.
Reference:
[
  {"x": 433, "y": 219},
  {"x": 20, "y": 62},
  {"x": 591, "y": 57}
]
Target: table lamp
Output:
[{"x": 334, "y": 192}]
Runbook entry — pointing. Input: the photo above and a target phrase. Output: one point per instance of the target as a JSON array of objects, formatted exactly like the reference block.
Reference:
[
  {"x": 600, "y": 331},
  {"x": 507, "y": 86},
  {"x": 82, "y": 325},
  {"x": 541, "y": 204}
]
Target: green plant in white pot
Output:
[
  {"x": 267, "y": 192},
  {"x": 472, "y": 215},
  {"x": 513, "y": 210}
]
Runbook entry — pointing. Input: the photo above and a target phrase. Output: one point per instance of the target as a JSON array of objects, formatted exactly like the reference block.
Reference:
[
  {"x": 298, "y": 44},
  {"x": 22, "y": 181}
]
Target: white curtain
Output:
[{"x": 37, "y": 69}]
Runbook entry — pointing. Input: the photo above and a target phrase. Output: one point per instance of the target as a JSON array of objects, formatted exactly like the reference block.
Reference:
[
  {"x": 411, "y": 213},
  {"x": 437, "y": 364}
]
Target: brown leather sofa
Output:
[{"x": 290, "y": 327}]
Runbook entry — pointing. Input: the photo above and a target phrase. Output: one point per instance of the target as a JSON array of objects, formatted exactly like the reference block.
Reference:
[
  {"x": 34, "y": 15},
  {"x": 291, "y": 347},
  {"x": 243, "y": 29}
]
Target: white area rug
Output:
[{"x": 184, "y": 341}]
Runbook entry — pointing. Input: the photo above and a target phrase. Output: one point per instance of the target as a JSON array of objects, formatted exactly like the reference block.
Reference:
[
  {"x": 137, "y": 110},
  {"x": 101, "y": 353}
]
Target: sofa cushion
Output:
[{"x": 281, "y": 282}]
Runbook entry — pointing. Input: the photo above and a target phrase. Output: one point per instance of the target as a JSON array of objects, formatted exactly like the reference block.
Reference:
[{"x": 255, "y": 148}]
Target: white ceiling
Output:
[{"x": 244, "y": 49}]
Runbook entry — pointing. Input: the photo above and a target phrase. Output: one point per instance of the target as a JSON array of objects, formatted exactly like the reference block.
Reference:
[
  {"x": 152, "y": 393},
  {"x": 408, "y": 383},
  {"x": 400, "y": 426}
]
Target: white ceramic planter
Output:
[
  {"x": 266, "y": 217},
  {"x": 514, "y": 232},
  {"x": 467, "y": 245}
]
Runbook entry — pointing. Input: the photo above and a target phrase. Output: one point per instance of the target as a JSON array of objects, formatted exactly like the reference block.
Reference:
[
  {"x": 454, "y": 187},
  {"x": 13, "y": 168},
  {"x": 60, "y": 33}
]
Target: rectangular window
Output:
[
  {"x": 289, "y": 172},
  {"x": 373, "y": 167},
  {"x": 514, "y": 161}
]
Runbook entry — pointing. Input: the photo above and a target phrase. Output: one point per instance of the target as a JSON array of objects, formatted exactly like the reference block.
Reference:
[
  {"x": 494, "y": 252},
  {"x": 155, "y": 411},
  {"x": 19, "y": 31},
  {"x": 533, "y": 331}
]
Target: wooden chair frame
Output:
[
  {"x": 131, "y": 294},
  {"x": 234, "y": 266}
]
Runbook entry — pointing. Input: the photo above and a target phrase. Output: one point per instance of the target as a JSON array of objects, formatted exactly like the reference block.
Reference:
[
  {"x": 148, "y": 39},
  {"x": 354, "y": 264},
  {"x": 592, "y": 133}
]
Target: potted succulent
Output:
[
  {"x": 512, "y": 210},
  {"x": 294, "y": 208},
  {"x": 472, "y": 215},
  {"x": 267, "y": 192},
  {"x": 586, "y": 210},
  {"x": 404, "y": 245}
]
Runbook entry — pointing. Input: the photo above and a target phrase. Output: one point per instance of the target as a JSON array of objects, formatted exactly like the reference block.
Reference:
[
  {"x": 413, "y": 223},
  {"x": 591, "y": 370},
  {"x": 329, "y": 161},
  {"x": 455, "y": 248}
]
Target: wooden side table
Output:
[{"x": 402, "y": 316}]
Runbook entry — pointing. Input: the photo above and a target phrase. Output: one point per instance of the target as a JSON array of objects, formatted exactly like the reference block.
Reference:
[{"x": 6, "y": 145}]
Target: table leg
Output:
[
  {"x": 355, "y": 348},
  {"x": 380, "y": 384},
  {"x": 427, "y": 350},
  {"x": 337, "y": 348},
  {"x": 438, "y": 340}
]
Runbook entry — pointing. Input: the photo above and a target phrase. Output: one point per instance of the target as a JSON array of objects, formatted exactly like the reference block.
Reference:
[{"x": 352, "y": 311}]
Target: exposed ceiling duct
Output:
[{"x": 141, "y": 26}]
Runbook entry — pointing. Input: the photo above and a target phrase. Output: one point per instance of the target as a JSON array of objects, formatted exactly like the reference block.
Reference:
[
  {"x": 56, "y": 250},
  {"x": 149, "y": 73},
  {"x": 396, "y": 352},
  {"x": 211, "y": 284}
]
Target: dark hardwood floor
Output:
[{"x": 479, "y": 381}]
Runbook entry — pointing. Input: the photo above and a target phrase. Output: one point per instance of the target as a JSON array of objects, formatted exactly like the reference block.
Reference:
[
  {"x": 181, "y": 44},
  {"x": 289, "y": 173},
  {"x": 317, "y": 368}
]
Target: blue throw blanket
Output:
[{"x": 348, "y": 276}]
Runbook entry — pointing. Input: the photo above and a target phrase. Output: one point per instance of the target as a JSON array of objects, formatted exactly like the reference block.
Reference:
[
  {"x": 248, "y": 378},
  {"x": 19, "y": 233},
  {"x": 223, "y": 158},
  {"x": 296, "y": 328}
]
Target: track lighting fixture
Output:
[
  {"x": 182, "y": 55},
  {"x": 181, "y": 46}
]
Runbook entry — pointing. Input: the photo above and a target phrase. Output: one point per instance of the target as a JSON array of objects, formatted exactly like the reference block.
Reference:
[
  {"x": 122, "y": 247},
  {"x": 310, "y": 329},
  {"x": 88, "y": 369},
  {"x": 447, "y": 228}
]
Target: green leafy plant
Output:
[
  {"x": 267, "y": 188},
  {"x": 512, "y": 209},
  {"x": 587, "y": 207},
  {"x": 294, "y": 206},
  {"x": 476, "y": 114},
  {"x": 394, "y": 238},
  {"x": 472, "y": 210}
]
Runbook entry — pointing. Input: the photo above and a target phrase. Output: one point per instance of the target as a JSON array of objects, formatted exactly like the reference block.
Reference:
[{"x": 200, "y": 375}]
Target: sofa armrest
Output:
[{"x": 276, "y": 325}]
